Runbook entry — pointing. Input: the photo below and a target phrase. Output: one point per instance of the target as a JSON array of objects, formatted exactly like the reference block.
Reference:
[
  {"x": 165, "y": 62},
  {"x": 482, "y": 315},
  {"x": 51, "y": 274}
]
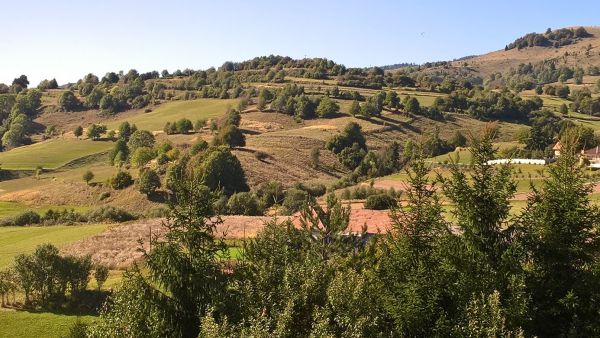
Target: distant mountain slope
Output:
[{"x": 583, "y": 53}]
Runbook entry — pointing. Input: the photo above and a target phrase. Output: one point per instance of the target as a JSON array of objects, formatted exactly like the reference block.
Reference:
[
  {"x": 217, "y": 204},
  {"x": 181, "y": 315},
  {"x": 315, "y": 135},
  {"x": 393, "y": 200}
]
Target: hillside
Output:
[{"x": 583, "y": 53}]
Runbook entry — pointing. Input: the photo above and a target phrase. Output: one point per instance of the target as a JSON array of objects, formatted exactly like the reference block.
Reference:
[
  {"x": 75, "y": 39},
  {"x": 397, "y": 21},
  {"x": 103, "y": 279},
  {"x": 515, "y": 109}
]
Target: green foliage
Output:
[
  {"x": 100, "y": 275},
  {"x": 109, "y": 213},
  {"x": 351, "y": 134},
  {"x": 46, "y": 276},
  {"x": 270, "y": 193},
  {"x": 560, "y": 233},
  {"x": 231, "y": 136},
  {"x": 183, "y": 277},
  {"x": 327, "y": 108},
  {"x": 88, "y": 176},
  {"x": 148, "y": 181},
  {"x": 222, "y": 170},
  {"x": 380, "y": 202},
  {"x": 141, "y": 138},
  {"x": 142, "y": 156},
  {"x": 244, "y": 203},
  {"x": 121, "y": 180},
  {"x": 78, "y": 131},
  {"x": 94, "y": 131},
  {"x": 184, "y": 126},
  {"x": 412, "y": 105},
  {"x": 68, "y": 101}
]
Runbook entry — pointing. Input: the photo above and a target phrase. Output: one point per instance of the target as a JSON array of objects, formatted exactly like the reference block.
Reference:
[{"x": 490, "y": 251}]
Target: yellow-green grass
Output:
[
  {"x": 8, "y": 209},
  {"x": 173, "y": 111},
  {"x": 17, "y": 324},
  {"x": 50, "y": 154},
  {"x": 18, "y": 240},
  {"x": 425, "y": 99},
  {"x": 115, "y": 277},
  {"x": 311, "y": 81}
]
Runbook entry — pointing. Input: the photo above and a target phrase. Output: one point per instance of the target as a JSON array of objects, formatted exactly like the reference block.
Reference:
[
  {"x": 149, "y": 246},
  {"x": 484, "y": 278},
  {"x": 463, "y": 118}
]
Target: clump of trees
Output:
[
  {"x": 182, "y": 126},
  {"x": 556, "y": 38},
  {"x": 46, "y": 278}
]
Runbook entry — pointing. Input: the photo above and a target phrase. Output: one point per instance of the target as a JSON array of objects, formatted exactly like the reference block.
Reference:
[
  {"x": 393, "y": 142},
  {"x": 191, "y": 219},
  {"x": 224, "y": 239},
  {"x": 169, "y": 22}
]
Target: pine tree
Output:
[{"x": 560, "y": 232}]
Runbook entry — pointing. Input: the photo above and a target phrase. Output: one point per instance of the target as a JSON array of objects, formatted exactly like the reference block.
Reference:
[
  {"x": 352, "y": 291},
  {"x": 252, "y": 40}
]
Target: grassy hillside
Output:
[
  {"x": 50, "y": 154},
  {"x": 18, "y": 240},
  {"x": 22, "y": 324},
  {"x": 173, "y": 111},
  {"x": 571, "y": 55}
]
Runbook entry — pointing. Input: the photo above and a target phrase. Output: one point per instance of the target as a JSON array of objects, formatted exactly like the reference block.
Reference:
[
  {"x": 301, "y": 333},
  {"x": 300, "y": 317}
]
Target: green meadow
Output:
[
  {"x": 173, "y": 111},
  {"x": 18, "y": 240}
]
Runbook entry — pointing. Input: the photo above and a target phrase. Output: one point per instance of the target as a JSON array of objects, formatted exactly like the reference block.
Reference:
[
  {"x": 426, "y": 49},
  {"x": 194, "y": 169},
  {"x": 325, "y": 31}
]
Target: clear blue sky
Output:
[{"x": 67, "y": 39}]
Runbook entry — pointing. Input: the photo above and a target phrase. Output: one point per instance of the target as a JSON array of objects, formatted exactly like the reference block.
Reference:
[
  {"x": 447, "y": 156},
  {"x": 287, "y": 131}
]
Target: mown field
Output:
[
  {"x": 18, "y": 240},
  {"x": 23, "y": 324},
  {"x": 50, "y": 154},
  {"x": 173, "y": 111},
  {"x": 9, "y": 208}
]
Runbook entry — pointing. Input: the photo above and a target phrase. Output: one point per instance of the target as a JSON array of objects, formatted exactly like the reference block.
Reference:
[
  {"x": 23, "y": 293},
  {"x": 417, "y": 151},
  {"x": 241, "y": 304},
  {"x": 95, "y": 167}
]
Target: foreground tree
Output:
[
  {"x": 560, "y": 229},
  {"x": 183, "y": 275}
]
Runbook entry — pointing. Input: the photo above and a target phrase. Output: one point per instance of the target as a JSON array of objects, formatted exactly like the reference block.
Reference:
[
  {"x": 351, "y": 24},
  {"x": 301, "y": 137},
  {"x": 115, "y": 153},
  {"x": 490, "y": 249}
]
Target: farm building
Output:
[
  {"x": 593, "y": 154},
  {"x": 557, "y": 147}
]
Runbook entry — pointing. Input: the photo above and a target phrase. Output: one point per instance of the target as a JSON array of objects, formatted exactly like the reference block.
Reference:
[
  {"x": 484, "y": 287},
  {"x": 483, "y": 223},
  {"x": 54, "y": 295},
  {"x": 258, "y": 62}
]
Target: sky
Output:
[{"x": 67, "y": 39}]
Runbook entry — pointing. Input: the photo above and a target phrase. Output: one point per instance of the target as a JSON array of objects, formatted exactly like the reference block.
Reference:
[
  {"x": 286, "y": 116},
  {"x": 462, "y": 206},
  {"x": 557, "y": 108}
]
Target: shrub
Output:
[
  {"x": 26, "y": 218},
  {"x": 148, "y": 182},
  {"x": 244, "y": 203},
  {"x": 380, "y": 202},
  {"x": 184, "y": 126},
  {"x": 313, "y": 189},
  {"x": 101, "y": 275},
  {"x": 141, "y": 138},
  {"x": 261, "y": 155},
  {"x": 88, "y": 176},
  {"x": 121, "y": 180},
  {"x": 65, "y": 216},
  {"x": 231, "y": 136},
  {"x": 199, "y": 147},
  {"x": 294, "y": 200},
  {"x": 270, "y": 193},
  {"x": 141, "y": 156},
  {"x": 109, "y": 213}
]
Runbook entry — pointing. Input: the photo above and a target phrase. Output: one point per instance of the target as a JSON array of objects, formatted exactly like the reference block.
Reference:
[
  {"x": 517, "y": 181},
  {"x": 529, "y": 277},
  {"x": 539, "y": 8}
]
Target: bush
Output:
[
  {"x": 109, "y": 213},
  {"x": 199, "y": 147},
  {"x": 26, "y": 218},
  {"x": 142, "y": 156},
  {"x": 65, "y": 216},
  {"x": 261, "y": 155},
  {"x": 294, "y": 200},
  {"x": 380, "y": 202},
  {"x": 313, "y": 189},
  {"x": 244, "y": 203},
  {"x": 121, "y": 180},
  {"x": 148, "y": 182},
  {"x": 270, "y": 193}
]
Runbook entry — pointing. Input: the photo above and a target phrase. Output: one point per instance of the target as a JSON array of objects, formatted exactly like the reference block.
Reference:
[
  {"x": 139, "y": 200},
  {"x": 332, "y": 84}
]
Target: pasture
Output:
[
  {"x": 173, "y": 111},
  {"x": 17, "y": 324},
  {"x": 50, "y": 154},
  {"x": 18, "y": 240}
]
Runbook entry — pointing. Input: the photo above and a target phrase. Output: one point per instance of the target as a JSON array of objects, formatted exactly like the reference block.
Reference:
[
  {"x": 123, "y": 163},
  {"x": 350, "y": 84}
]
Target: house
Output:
[
  {"x": 557, "y": 147},
  {"x": 592, "y": 154}
]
